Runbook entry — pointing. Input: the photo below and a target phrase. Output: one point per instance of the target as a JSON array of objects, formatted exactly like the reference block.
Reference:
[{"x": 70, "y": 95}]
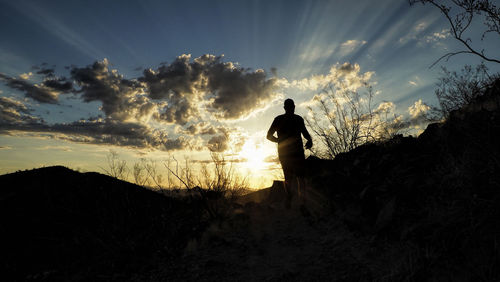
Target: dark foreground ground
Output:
[{"x": 409, "y": 209}]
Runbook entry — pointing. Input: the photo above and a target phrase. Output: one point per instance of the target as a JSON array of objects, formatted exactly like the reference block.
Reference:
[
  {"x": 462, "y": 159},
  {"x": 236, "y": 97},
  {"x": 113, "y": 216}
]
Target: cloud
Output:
[
  {"x": 346, "y": 76},
  {"x": 218, "y": 143},
  {"x": 321, "y": 52},
  {"x": 100, "y": 131},
  {"x": 316, "y": 52},
  {"x": 26, "y": 76},
  {"x": 227, "y": 139},
  {"x": 418, "y": 33},
  {"x": 58, "y": 148},
  {"x": 237, "y": 92},
  {"x": 414, "y": 33},
  {"x": 418, "y": 110},
  {"x": 44, "y": 70},
  {"x": 224, "y": 89},
  {"x": 46, "y": 92},
  {"x": 385, "y": 107},
  {"x": 16, "y": 119},
  {"x": 13, "y": 111},
  {"x": 350, "y": 45},
  {"x": 59, "y": 84},
  {"x": 201, "y": 128},
  {"x": 163, "y": 108},
  {"x": 122, "y": 99},
  {"x": 413, "y": 123},
  {"x": 436, "y": 36}
]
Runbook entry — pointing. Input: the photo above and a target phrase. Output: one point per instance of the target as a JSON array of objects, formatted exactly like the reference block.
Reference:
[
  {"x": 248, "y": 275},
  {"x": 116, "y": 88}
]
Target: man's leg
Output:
[
  {"x": 288, "y": 187},
  {"x": 302, "y": 191}
]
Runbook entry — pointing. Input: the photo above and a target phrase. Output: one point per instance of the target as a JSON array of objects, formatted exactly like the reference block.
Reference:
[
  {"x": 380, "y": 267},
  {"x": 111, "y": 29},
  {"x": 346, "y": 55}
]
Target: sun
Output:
[
  {"x": 257, "y": 161},
  {"x": 254, "y": 156}
]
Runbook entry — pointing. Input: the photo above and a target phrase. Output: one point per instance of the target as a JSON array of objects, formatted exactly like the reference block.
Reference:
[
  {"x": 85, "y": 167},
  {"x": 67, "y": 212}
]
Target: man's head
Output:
[{"x": 289, "y": 106}]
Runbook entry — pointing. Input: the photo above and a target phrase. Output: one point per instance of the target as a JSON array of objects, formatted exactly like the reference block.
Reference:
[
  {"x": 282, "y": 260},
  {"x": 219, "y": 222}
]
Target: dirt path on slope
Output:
[{"x": 266, "y": 242}]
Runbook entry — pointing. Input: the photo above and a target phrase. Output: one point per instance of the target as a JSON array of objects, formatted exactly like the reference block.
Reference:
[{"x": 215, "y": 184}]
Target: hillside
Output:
[
  {"x": 59, "y": 224},
  {"x": 409, "y": 209}
]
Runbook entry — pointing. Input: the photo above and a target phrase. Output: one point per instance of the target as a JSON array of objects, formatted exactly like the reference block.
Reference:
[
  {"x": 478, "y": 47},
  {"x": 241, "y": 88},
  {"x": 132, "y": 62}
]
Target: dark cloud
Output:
[
  {"x": 99, "y": 131},
  {"x": 15, "y": 112},
  {"x": 173, "y": 93},
  {"x": 47, "y": 91},
  {"x": 347, "y": 68},
  {"x": 122, "y": 99},
  {"x": 16, "y": 117},
  {"x": 237, "y": 92},
  {"x": 40, "y": 93},
  {"x": 231, "y": 92},
  {"x": 227, "y": 139},
  {"x": 60, "y": 84},
  {"x": 176, "y": 83},
  {"x": 45, "y": 71},
  {"x": 218, "y": 143},
  {"x": 201, "y": 128},
  {"x": 180, "y": 112},
  {"x": 184, "y": 92}
]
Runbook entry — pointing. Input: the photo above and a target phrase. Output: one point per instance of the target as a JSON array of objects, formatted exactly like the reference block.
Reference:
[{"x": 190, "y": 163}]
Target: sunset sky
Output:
[{"x": 163, "y": 79}]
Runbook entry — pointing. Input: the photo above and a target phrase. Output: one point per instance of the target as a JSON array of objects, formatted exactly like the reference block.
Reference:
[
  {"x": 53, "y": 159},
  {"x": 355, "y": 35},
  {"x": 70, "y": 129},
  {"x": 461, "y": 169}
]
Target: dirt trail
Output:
[{"x": 266, "y": 242}]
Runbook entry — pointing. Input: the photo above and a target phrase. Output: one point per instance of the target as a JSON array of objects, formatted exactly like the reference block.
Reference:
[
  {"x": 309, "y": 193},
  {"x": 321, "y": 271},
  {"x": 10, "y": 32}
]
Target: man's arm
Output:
[
  {"x": 306, "y": 134},
  {"x": 270, "y": 132}
]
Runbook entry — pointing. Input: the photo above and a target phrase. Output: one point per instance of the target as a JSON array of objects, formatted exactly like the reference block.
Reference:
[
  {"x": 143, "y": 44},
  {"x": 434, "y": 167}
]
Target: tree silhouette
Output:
[
  {"x": 457, "y": 89},
  {"x": 460, "y": 16}
]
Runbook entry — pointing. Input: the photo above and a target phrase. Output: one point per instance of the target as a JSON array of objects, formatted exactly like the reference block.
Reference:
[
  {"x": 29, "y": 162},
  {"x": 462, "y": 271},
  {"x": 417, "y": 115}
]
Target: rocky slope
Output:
[
  {"x": 59, "y": 224},
  {"x": 409, "y": 209}
]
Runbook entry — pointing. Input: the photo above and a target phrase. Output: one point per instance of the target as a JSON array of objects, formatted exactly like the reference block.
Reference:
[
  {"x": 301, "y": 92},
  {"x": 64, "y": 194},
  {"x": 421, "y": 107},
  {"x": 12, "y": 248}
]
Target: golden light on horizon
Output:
[{"x": 254, "y": 155}]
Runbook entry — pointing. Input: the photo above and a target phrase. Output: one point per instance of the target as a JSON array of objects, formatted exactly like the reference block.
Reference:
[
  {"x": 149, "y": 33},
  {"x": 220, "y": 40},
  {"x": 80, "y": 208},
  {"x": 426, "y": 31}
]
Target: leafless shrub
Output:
[
  {"x": 217, "y": 183},
  {"x": 344, "y": 119},
  {"x": 116, "y": 168},
  {"x": 224, "y": 180},
  {"x": 155, "y": 178},
  {"x": 146, "y": 174},
  {"x": 139, "y": 173},
  {"x": 457, "y": 89}
]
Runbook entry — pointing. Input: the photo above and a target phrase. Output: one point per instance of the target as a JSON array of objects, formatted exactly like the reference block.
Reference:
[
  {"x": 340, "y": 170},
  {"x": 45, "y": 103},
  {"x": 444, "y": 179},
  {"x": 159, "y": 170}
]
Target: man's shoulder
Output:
[
  {"x": 280, "y": 117},
  {"x": 294, "y": 116},
  {"x": 297, "y": 117}
]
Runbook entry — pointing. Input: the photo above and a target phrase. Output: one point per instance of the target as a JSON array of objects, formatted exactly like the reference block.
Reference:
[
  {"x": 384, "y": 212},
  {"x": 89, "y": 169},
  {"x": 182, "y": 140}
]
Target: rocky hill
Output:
[
  {"x": 439, "y": 193},
  {"x": 409, "y": 209},
  {"x": 59, "y": 224}
]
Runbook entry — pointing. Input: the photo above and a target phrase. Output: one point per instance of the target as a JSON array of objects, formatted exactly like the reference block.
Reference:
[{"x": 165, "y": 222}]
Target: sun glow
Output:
[
  {"x": 255, "y": 162},
  {"x": 255, "y": 155}
]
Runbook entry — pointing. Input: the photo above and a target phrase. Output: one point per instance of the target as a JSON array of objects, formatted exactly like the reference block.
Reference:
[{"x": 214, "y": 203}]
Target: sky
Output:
[{"x": 165, "y": 80}]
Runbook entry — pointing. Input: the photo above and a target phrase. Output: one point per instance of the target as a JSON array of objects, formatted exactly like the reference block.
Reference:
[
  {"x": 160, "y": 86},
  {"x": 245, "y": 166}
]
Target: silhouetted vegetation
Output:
[
  {"x": 461, "y": 14},
  {"x": 217, "y": 184},
  {"x": 458, "y": 89},
  {"x": 434, "y": 200},
  {"x": 343, "y": 119},
  {"x": 58, "y": 224},
  {"x": 420, "y": 208}
]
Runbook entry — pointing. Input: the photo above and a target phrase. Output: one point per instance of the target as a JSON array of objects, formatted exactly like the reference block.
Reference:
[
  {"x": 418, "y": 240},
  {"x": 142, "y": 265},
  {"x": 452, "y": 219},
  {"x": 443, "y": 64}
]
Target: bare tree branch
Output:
[{"x": 460, "y": 23}]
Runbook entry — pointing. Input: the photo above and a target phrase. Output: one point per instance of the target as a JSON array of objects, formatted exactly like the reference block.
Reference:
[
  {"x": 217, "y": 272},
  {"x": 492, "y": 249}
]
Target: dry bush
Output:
[
  {"x": 116, "y": 168},
  {"x": 457, "y": 89},
  {"x": 145, "y": 173},
  {"x": 217, "y": 183},
  {"x": 344, "y": 119}
]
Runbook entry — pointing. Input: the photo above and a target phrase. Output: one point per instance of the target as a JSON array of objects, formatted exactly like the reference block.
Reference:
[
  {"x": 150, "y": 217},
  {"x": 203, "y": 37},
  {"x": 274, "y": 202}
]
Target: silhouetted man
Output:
[{"x": 290, "y": 127}]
